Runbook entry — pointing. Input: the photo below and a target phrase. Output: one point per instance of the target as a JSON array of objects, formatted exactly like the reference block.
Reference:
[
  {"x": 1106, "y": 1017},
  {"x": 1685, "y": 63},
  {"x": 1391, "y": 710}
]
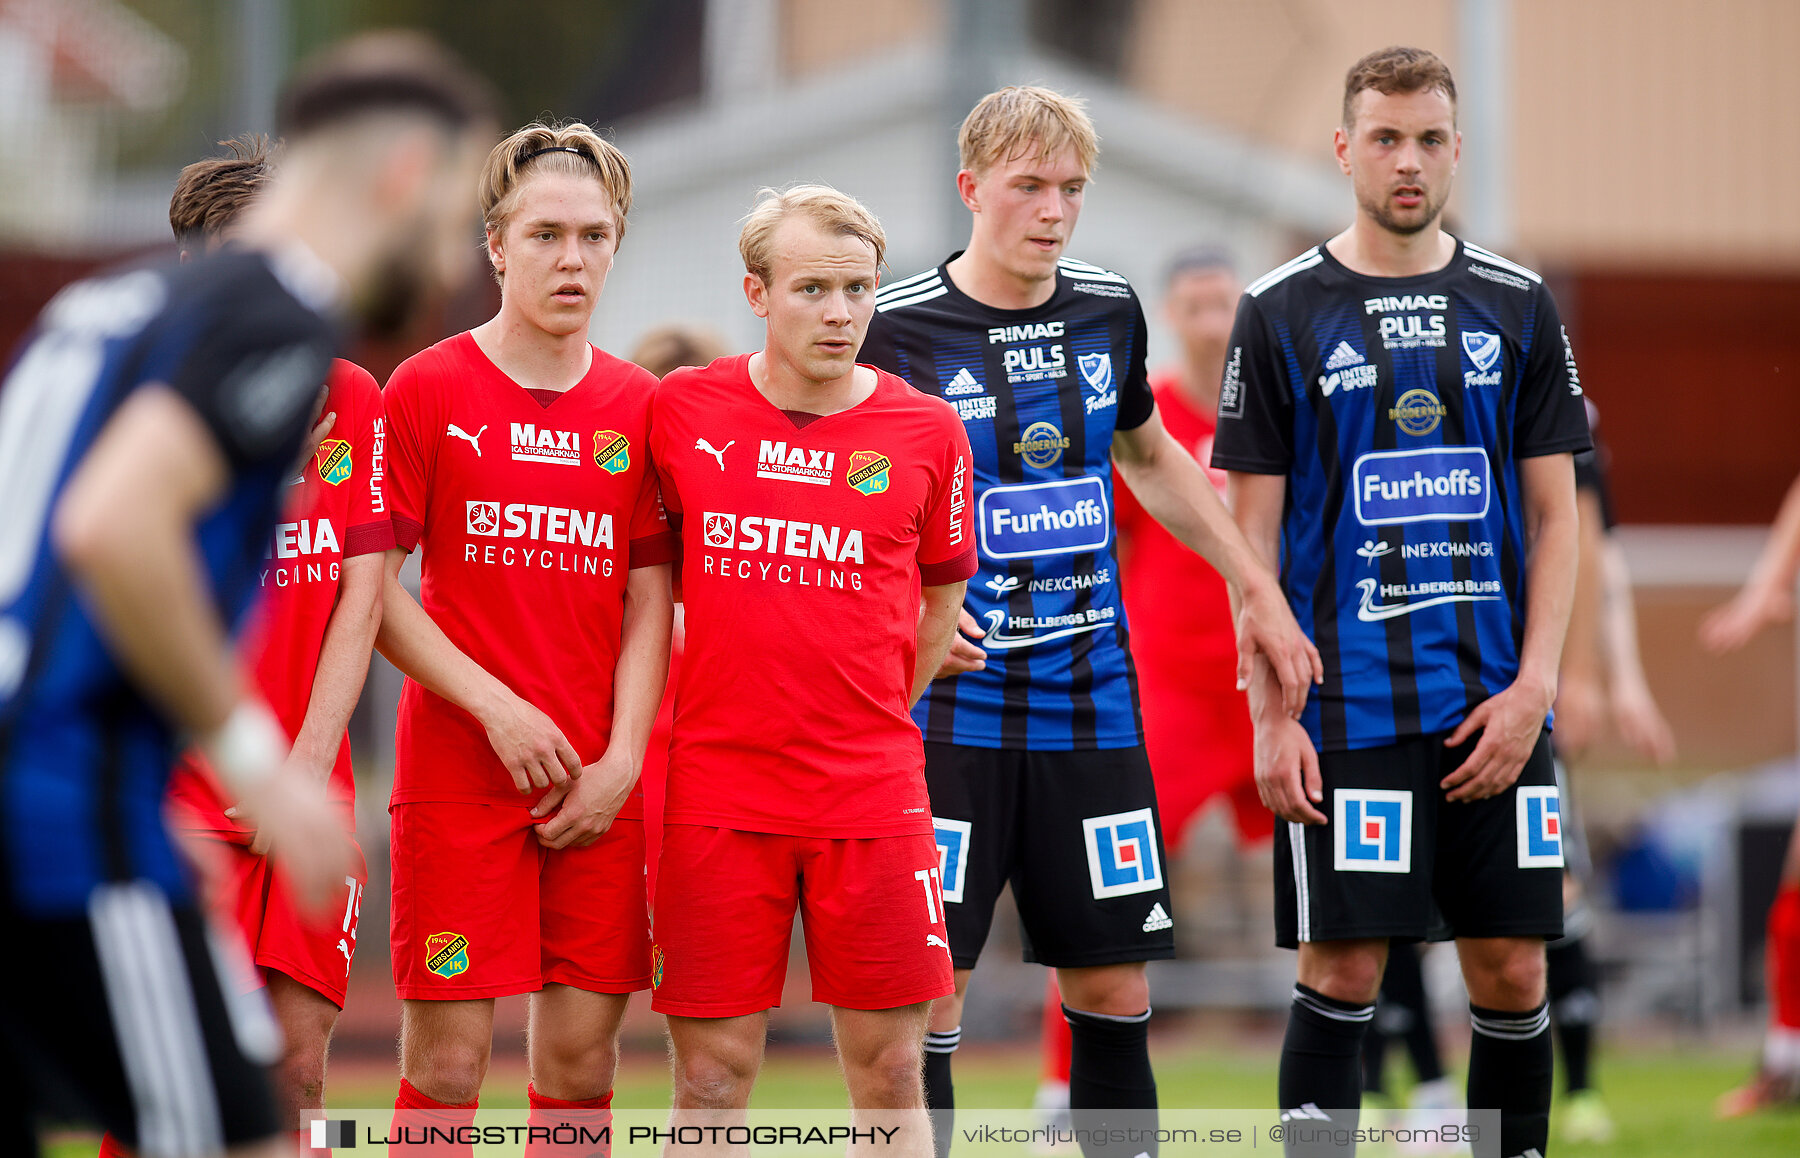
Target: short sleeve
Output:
[
  {"x": 1256, "y": 424},
  {"x": 1136, "y": 402},
  {"x": 254, "y": 379},
  {"x": 947, "y": 537},
  {"x": 652, "y": 541},
  {"x": 408, "y": 467},
  {"x": 368, "y": 529},
  {"x": 1549, "y": 416}
]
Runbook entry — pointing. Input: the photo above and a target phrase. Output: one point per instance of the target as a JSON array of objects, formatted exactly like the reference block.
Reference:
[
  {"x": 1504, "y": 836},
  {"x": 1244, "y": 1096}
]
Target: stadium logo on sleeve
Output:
[
  {"x": 1372, "y": 830},
  {"x": 447, "y": 954},
  {"x": 1041, "y": 445},
  {"x": 953, "y": 856},
  {"x": 612, "y": 451},
  {"x": 1121, "y": 854},
  {"x": 1540, "y": 827},
  {"x": 1418, "y": 412},
  {"x": 868, "y": 472},
  {"x": 333, "y": 457}
]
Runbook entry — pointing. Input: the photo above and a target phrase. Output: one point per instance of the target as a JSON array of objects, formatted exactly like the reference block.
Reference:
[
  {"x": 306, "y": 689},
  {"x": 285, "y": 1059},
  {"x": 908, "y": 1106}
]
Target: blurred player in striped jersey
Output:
[
  {"x": 309, "y": 645},
  {"x": 1768, "y": 597},
  {"x": 146, "y": 436}
]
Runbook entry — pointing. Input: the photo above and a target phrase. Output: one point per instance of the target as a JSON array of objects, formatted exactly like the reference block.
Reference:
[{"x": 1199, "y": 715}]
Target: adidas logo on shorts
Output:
[{"x": 1158, "y": 920}]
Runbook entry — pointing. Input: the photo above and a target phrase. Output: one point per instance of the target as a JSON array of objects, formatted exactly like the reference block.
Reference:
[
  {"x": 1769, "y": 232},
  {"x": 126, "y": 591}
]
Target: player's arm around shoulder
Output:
[{"x": 1173, "y": 488}]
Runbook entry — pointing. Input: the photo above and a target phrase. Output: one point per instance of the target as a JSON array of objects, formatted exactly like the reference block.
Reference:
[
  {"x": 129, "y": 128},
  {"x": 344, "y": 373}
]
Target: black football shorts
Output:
[
  {"x": 1077, "y": 835},
  {"x": 1397, "y": 860}
]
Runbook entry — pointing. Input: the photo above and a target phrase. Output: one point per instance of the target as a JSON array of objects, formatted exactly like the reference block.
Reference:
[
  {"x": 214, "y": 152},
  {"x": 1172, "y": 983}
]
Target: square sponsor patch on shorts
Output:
[
  {"x": 1372, "y": 830},
  {"x": 1121, "y": 853},
  {"x": 953, "y": 856},
  {"x": 1540, "y": 827}
]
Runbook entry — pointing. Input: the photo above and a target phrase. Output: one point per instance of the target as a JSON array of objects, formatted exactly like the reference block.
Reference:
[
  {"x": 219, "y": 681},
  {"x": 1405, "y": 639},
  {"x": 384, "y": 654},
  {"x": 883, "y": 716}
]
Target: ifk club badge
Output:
[
  {"x": 612, "y": 451},
  {"x": 868, "y": 473},
  {"x": 447, "y": 954}
]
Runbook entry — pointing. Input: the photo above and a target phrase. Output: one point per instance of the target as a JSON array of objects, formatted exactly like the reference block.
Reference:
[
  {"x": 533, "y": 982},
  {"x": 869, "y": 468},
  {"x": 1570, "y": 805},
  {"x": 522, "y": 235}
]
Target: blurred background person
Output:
[{"x": 1767, "y": 597}]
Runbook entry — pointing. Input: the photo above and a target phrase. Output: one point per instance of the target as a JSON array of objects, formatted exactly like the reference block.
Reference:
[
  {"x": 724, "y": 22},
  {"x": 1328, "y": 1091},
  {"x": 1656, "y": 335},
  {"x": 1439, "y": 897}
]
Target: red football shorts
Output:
[
  {"x": 481, "y": 909},
  {"x": 314, "y": 948},
  {"x": 1200, "y": 745},
  {"x": 873, "y": 911}
]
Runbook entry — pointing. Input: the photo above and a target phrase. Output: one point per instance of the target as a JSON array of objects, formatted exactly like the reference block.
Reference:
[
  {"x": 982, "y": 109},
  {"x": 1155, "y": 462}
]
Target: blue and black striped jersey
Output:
[
  {"x": 1040, "y": 393},
  {"x": 1398, "y": 409},
  {"x": 83, "y": 755}
]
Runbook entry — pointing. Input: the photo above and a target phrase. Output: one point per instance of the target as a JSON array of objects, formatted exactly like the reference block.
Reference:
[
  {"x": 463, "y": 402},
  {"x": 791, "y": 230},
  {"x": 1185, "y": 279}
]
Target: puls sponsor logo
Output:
[
  {"x": 533, "y": 443},
  {"x": 784, "y": 463},
  {"x": 1402, "y": 327},
  {"x": 1035, "y": 363},
  {"x": 780, "y": 550},
  {"x": 1430, "y": 484},
  {"x": 516, "y": 524}
]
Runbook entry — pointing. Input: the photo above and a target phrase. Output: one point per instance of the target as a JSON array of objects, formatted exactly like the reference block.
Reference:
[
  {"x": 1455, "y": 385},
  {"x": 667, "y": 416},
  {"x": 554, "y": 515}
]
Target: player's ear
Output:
[
  {"x": 966, "y": 189},
  {"x": 757, "y": 294},
  {"x": 495, "y": 251},
  {"x": 1340, "y": 146}
]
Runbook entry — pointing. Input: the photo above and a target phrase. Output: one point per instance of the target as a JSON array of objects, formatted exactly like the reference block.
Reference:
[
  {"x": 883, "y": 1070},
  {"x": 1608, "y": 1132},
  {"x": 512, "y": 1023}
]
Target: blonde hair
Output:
[
  {"x": 1013, "y": 121},
  {"x": 574, "y": 149},
  {"x": 830, "y": 210}
]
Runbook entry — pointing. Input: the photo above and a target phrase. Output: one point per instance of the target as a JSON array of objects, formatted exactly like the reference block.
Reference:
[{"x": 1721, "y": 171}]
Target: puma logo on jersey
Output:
[
  {"x": 702, "y": 444},
  {"x": 933, "y": 939},
  {"x": 473, "y": 440}
]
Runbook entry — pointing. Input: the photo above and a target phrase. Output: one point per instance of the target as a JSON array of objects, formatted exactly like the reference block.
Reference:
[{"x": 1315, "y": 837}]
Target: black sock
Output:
[
  {"x": 1404, "y": 984},
  {"x": 1510, "y": 1067},
  {"x": 1574, "y": 1007},
  {"x": 1109, "y": 1069},
  {"x": 1374, "y": 1048},
  {"x": 940, "y": 1095},
  {"x": 1319, "y": 1081}
]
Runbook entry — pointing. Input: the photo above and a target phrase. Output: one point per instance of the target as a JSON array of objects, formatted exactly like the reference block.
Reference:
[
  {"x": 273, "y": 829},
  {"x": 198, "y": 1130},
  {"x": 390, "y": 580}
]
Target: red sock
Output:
[
  {"x": 111, "y": 1147},
  {"x": 581, "y": 1127},
  {"x": 1054, "y": 1039},
  {"x": 421, "y": 1119},
  {"x": 1784, "y": 958}
]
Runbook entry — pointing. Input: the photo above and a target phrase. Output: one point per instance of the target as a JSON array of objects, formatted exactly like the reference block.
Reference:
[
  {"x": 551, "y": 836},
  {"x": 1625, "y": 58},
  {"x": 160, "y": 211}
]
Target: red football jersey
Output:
[
  {"x": 1181, "y": 626},
  {"x": 336, "y": 509},
  {"x": 804, "y": 544},
  {"x": 531, "y": 513}
]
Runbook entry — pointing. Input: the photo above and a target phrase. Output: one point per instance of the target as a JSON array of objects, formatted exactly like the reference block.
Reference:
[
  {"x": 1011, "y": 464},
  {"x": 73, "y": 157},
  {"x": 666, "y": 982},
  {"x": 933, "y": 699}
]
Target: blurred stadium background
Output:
[{"x": 1642, "y": 153}]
